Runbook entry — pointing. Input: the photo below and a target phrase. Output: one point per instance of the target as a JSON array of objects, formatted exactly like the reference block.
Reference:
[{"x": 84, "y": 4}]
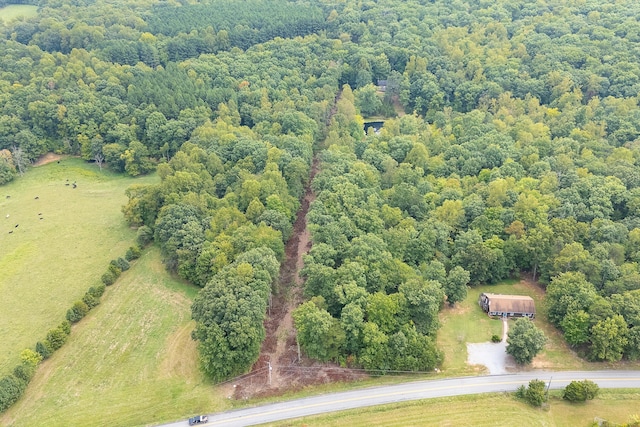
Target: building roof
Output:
[{"x": 510, "y": 303}]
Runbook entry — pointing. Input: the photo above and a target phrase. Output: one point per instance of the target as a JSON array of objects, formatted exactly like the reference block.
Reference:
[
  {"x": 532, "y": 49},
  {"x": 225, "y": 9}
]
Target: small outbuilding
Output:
[{"x": 507, "y": 305}]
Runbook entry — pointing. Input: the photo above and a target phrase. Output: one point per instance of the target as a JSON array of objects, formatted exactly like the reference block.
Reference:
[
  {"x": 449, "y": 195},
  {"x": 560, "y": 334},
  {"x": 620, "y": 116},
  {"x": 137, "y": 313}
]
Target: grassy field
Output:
[
  {"x": 13, "y": 11},
  {"x": 484, "y": 410},
  {"x": 130, "y": 362},
  {"x": 61, "y": 246}
]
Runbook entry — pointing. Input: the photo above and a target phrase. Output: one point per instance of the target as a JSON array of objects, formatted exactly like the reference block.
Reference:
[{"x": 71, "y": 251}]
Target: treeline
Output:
[
  {"x": 245, "y": 23},
  {"x": 133, "y": 117}
]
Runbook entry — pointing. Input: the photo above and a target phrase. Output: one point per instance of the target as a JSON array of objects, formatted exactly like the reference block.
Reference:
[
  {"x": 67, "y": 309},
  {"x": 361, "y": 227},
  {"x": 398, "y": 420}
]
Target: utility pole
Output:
[
  {"x": 270, "y": 368},
  {"x": 548, "y": 386}
]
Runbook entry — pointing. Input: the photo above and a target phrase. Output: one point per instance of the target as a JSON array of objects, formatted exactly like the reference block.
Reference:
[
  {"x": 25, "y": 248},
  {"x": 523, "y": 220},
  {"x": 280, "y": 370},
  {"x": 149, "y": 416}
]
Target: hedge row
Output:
[{"x": 12, "y": 386}]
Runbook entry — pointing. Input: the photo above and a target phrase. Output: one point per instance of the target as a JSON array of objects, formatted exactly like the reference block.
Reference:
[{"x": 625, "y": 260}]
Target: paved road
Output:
[{"x": 411, "y": 391}]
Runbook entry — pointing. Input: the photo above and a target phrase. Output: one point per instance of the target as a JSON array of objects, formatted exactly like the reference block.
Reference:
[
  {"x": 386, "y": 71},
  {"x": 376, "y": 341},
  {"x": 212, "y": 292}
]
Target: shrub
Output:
[
  {"x": 56, "y": 338},
  {"x": 44, "y": 349},
  {"x": 144, "y": 236},
  {"x": 133, "y": 252},
  {"x": 535, "y": 394},
  {"x": 97, "y": 291},
  {"x": 112, "y": 274},
  {"x": 30, "y": 360},
  {"x": 11, "y": 388},
  {"x": 90, "y": 300},
  {"x": 113, "y": 267},
  {"x": 495, "y": 338},
  {"x": 580, "y": 391},
  {"x": 23, "y": 373},
  {"x": 122, "y": 264},
  {"x": 77, "y": 312},
  {"x": 65, "y": 326},
  {"x": 109, "y": 278},
  {"x": 30, "y": 357},
  {"x": 521, "y": 392}
]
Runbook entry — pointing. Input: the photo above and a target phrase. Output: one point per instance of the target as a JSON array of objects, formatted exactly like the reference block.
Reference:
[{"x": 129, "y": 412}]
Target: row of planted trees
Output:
[{"x": 13, "y": 385}]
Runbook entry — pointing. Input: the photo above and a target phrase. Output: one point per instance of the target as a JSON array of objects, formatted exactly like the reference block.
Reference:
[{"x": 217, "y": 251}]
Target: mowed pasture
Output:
[
  {"x": 13, "y": 11},
  {"x": 55, "y": 242},
  {"x": 488, "y": 410},
  {"x": 130, "y": 362}
]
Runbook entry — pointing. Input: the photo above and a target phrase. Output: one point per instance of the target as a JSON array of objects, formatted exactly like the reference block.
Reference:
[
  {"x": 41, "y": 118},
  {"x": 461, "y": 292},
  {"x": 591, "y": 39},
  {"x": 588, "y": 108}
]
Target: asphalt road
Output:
[{"x": 411, "y": 391}]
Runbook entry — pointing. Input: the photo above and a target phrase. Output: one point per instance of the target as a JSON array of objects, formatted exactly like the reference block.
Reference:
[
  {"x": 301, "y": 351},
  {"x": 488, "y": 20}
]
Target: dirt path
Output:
[
  {"x": 281, "y": 367},
  {"x": 47, "y": 158},
  {"x": 289, "y": 294}
]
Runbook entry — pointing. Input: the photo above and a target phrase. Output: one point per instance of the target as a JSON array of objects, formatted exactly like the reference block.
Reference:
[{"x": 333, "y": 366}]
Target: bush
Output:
[
  {"x": 144, "y": 236},
  {"x": 30, "y": 361},
  {"x": 133, "y": 252},
  {"x": 112, "y": 274},
  {"x": 97, "y": 291},
  {"x": 65, "y": 326},
  {"x": 495, "y": 338},
  {"x": 11, "y": 388},
  {"x": 535, "y": 393},
  {"x": 23, "y": 373},
  {"x": 77, "y": 312},
  {"x": 113, "y": 267},
  {"x": 122, "y": 264},
  {"x": 44, "y": 349},
  {"x": 56, "y": 338},
  {"x": 580, "y": 391},
  {"x": 90, "y": 300},
  {"x": 108, "y": 278}
]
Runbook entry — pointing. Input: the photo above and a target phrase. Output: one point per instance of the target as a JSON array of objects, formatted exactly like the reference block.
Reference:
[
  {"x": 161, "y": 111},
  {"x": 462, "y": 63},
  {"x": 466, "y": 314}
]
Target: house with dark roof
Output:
[{"x": 507, "y": 305}]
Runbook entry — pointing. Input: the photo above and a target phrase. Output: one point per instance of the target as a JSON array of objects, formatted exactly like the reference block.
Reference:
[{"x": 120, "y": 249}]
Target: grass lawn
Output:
[
  {"x": 464, "y": 323},
  {"x": 484, "y": 410},
  {"x": 12, "y": 11},
  {"x": 61, "y": 246},
  {"x": 130, "y": 362},
  {"x": 467, "y": 323}
]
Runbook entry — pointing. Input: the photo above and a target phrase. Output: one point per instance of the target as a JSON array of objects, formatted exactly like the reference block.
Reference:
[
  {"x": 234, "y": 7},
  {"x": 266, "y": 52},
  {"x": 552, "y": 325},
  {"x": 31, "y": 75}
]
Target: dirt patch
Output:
[
  {"x": 47, "y": 158},
  {"x": 455, "y": 310}
]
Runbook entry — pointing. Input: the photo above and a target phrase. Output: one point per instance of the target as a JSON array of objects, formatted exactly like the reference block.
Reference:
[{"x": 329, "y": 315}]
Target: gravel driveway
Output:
[{"x": 492, "y": 355}]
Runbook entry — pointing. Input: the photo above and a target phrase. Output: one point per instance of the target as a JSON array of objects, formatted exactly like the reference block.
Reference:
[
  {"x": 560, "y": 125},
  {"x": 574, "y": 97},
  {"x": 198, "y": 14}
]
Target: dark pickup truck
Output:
[{"x": 198, "y": 420}]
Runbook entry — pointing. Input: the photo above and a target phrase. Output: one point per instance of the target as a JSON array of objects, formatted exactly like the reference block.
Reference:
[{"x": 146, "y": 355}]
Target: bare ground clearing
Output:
[{"x": 47, "y": 158}]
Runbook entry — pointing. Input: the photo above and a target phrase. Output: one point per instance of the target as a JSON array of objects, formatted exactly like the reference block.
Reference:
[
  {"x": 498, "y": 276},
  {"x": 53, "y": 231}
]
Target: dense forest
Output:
[{"x": 519, "y": 153}]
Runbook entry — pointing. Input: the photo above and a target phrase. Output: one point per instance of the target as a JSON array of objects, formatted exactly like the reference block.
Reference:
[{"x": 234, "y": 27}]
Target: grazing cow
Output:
[
  {"x": 16, "y": 226},
  {"x": 11, "y": 232},
  {"x": 7, "y": 216},
  {"x": 37, "y": 197}
]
